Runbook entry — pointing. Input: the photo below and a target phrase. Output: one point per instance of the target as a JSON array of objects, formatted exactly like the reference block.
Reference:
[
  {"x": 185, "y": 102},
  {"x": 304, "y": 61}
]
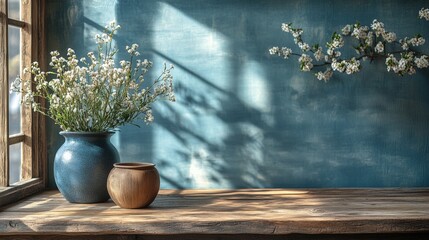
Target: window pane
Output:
[
  {"x": 14, "y": 40},
  {"x": 15, "y": 163},
  {"x": 14, "y": 7}
]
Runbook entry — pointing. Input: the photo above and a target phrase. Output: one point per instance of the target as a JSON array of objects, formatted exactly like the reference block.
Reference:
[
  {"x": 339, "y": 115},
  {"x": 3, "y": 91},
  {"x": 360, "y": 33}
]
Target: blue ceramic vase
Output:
[{"x": 82, "y": 165}]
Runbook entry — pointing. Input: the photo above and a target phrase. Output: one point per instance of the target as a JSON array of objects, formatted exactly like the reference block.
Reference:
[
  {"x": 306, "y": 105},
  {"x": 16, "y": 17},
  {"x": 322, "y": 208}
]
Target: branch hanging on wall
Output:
[{"x": 371, "y": 43}]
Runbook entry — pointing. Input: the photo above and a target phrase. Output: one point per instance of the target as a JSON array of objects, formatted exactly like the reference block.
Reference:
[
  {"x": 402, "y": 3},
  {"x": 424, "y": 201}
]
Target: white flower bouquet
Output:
[
  {"x": 92, "y": 94},
  {"x": 371, "y": 42}
]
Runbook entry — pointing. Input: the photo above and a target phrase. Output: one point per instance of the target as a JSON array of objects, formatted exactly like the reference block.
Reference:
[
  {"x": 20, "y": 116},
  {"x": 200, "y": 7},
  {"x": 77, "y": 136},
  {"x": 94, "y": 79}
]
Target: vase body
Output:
[
  {"x": 133, "y": 185},
  {"x": 82, "y": 165}
]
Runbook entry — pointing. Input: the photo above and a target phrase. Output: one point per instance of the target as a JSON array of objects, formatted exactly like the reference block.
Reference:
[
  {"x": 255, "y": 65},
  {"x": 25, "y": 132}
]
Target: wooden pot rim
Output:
[{"x": 134, "y": 165}]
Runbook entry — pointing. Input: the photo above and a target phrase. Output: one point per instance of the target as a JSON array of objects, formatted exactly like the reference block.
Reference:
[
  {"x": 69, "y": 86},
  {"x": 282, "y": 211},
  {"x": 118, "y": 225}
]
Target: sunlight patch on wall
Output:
[
  {"x": 172, "y": 29},
  {"x": 201, "y": 88},
  {"x": 253, "y": 89}
]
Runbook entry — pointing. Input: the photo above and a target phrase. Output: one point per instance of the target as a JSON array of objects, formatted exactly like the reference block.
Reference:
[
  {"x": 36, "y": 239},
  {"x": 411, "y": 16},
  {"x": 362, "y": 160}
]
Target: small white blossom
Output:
[
  {"x": 325, "y": 76},
  {"x": 360, "y": 32},
  {"x": 337, "y": 41},
  {"x": 296, "y": 33},
  {"x": 378, "y": 27},
  {"x": 391, "y": 63},
  {"x": 103, "y": 38},
  {"x": 327, "y": 58},
  {"x": 304, "y": 46},
  {"x": 282, "y": 52},
  {"x": 133, "y": 49},
  {"x": 389, "y": 36},
  {"x": 332, "y": 53},
  {"x": 54, "y": 53},
  {"x": 286, "y": 52},
  {"x": 112, "y": 26},
  {"x": 305, "y": 62},
  {"x": 379, "y": 48},
  {"x": 417, "y": 41},
  {"x": 338, "y": 66},
  {"x": 286, "y": 27},
  {"x": 16, "y": 85},
  {"x": 274, "y": 50},
  {"x": 148, "y": 116},
  {"x": 404, "y": 44},
  {"x": 352, "y": 66},
  {"x": 402, "y": 65},
  {"x": 424, "y": 13},
  {"x": 421, "y": 62},
  {"x": 346, "y": 30},
  {"x": 318, "y": 54},
  {"x": 369, "y": 39}
]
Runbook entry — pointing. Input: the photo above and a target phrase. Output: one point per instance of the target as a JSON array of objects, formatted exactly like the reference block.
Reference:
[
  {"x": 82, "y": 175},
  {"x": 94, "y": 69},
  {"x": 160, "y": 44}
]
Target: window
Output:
[{"x": 22, "y": 144}]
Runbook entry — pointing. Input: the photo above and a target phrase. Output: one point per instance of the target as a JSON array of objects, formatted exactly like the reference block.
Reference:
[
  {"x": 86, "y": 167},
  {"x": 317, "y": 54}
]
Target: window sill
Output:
[
  {"x": 265, "y": 212},
  {"x": 20, "y": 190}
]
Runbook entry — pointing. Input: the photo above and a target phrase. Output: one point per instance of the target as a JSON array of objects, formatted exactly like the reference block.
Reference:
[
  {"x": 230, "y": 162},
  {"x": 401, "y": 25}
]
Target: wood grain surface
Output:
[{"x": 253, "y": 211}]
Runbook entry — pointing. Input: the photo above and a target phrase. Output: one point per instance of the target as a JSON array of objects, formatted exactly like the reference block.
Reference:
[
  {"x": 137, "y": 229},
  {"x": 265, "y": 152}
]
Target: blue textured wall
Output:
[{"x": 246, "y": 119}]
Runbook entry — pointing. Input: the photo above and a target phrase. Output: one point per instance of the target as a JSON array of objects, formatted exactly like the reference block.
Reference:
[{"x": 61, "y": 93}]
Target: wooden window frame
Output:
[{"x": 33, "y": 135}]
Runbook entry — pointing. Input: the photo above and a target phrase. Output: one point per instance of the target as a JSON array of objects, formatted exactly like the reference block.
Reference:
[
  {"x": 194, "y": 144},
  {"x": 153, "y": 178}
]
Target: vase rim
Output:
[
  {"x": 110, "y": 132},
  {"x": 134, "y": 165}
]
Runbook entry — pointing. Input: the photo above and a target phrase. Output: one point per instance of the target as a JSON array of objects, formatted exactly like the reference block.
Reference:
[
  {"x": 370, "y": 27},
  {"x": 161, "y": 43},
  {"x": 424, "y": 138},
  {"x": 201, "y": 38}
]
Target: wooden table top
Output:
[{"x": 248, "y": 211}]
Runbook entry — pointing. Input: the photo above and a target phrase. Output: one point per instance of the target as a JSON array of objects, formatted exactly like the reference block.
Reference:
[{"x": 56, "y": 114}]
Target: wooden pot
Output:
[{"x": 133, "y": 185}]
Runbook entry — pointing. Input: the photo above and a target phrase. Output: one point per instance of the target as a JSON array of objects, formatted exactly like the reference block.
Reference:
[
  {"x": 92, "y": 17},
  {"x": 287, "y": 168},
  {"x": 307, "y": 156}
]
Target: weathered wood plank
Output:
[
  {"x": 20, "y": 190},
  {"x": 39, "y": 149},
  {"x": 414, "y": 236},
  {"x": 257, "y": 211},
  {"x": 16, "y": 138},
  {"x": 26, "y": 112},
  {"x": 65, "y": 237},
  {"x": 4, "y": 98},
  {"x": 16, "y": 23}
]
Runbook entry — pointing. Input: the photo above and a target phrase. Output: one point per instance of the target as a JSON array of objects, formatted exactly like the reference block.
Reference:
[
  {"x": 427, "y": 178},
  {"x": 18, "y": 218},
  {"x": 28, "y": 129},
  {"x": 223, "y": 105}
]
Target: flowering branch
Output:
[
  {"x": 372, "y": 43},
  {"x": 91, "y": 94}
]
